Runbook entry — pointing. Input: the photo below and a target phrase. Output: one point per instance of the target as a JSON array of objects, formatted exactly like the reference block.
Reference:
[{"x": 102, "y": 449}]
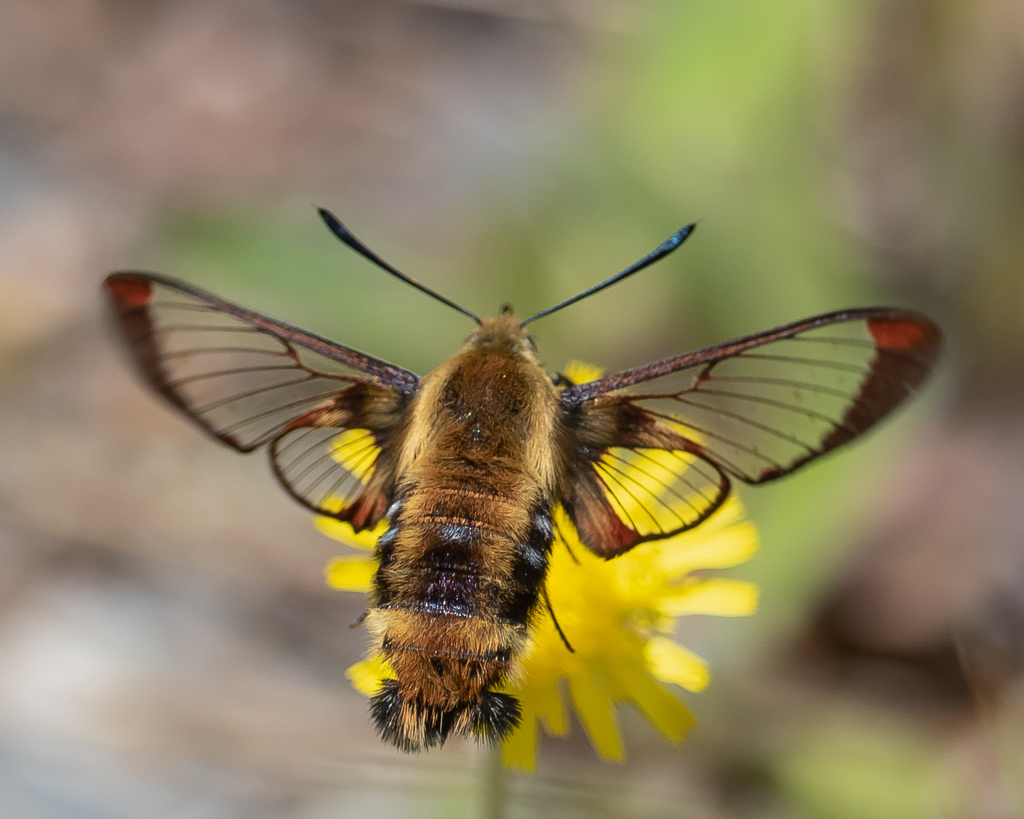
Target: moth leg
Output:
[
  {"x": 558, "y": 628},
  {"x": 565, "y": 542}
]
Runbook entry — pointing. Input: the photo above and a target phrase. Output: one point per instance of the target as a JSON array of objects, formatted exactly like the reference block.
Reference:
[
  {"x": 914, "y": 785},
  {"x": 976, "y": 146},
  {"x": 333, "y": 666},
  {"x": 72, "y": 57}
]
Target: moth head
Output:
[{"x": 503, "y": 331}]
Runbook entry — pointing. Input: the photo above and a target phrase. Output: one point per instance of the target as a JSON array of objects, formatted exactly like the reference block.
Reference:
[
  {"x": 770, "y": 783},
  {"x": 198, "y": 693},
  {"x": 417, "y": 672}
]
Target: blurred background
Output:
[{"x": 167, "y": 645}]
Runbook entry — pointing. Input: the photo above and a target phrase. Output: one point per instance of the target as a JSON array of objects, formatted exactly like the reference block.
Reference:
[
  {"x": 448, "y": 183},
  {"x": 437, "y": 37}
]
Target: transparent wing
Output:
[
  {"x": 626, "y": 496},
  {"x": 250, "y": 380},
  {"x": 761, "y": 406},
  {"x": 348, "y": 475},
  {"x": 657, "y": 492}
]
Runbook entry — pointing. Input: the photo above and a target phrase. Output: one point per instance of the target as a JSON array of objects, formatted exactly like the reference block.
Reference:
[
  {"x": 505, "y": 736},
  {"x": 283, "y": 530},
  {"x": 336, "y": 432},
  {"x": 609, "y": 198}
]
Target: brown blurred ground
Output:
[{"x": 167, "y": 646}]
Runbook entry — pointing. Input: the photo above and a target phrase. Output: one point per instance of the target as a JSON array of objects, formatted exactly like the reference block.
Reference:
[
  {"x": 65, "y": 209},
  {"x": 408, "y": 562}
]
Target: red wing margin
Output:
[
  {"x": 761, "y": 406},
  {"x": 250, "y": 380}
]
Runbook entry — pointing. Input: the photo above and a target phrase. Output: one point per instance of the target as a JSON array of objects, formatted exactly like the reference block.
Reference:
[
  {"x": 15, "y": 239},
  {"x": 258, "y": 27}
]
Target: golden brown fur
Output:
[{"x": 475, "y": 464}]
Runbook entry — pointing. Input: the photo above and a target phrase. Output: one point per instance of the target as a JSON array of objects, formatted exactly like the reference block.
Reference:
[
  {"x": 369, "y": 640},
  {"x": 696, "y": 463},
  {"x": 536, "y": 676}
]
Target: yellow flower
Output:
[{"x": 617, "y": 614}]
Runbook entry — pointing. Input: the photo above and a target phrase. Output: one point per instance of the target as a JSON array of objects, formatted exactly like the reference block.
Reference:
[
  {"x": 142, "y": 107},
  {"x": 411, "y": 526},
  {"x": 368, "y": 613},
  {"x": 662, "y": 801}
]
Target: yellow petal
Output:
[
  {"x": 636, "y": 483},
  {"x": 662, "y": 709},
  {"x": 342, "y": 531},
  {"x": 682, "y": 429},
  {"x": 671, "y": 663},
  {"x": 357, "y": 451},
  {"x": 579, "y": 372},
  {"x": 520, "y": 750},
  {"x": 551, "y": 709},
  {"x": 597, "y": 714},
  {"x": 728, "y": 547},
  {"x": 720, "y": 596},
  {"x": 350, "y": 573},
  {"x": 367, "y": 675}
]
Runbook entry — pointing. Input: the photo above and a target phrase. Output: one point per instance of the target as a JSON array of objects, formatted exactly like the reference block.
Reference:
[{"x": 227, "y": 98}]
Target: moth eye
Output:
[{"x": 532, "y": 343}]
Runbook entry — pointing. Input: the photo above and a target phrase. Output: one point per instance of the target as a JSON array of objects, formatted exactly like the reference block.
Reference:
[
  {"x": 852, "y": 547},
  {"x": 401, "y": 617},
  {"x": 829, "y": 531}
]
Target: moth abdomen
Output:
[
  {"x": 462, "y": 567},
  {"x": 529, "y": 568}
]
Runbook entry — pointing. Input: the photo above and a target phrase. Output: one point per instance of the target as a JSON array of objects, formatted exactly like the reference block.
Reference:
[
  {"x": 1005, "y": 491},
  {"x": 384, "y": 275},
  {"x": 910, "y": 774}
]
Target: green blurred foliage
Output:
[
  {"x": 293, "y": 269},
  {"x": 856, "y": 768}
]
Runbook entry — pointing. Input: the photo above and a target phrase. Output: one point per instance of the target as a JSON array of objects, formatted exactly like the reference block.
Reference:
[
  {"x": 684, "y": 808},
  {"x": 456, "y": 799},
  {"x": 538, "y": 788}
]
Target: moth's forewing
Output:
[
  {"x": 250, "y": 380},
  {"x": 755, "y": 408}
]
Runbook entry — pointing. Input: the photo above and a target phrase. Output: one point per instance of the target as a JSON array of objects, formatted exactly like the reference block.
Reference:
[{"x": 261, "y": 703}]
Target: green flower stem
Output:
[{"x": 493, "y": 786}]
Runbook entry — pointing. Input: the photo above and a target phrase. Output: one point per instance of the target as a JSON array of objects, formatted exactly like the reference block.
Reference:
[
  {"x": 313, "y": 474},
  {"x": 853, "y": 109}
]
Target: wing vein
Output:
[
  {"x": 625, "y": 475},
  {"x": 251, "y": 393}
]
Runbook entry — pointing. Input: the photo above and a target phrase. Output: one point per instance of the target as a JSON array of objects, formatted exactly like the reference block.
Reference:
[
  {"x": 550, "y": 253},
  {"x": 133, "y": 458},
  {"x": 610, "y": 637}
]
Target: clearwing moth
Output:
[{"x": 468, "y": 462}]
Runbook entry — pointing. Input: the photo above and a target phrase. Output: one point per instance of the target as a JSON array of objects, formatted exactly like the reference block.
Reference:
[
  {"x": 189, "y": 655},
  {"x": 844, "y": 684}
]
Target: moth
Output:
[{"x": 467, "y": 463}]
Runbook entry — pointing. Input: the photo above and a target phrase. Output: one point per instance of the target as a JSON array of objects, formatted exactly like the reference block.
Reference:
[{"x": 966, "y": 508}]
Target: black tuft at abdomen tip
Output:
[
  {"x": 414, "y": 726},
  {"x": 496, "y": 716}
]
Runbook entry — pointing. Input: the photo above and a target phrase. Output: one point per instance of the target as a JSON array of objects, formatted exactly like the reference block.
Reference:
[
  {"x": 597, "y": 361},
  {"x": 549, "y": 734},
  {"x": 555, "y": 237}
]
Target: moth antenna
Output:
[
  {"x": 558, "y": 628},
  {"x": 662, "y": 250},
  {"x": 346, "y": 236}
]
